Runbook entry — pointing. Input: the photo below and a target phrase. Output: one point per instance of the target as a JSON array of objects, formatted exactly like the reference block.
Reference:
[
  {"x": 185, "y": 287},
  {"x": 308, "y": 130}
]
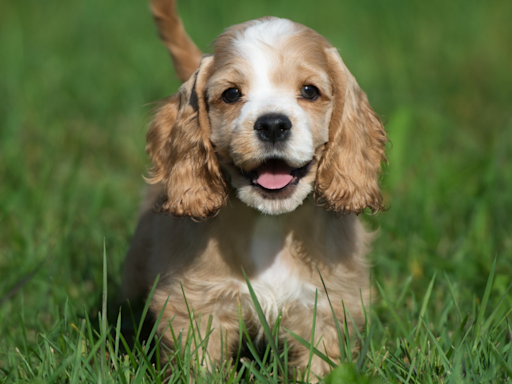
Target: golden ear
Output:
[
  {"x": 348, "y": 173},
  {"x": 184, "y": 160}
]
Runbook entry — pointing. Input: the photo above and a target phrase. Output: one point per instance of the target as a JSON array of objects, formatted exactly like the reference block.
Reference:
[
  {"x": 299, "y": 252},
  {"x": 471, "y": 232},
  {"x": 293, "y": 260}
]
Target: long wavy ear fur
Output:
[
  {"x": 184, "y": 161},
  {"x": 348, "y": 173}
]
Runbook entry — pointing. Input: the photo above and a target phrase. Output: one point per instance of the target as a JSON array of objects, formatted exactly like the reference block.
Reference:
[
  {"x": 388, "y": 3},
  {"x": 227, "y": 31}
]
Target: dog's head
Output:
[{"x": 275, "y": 113}]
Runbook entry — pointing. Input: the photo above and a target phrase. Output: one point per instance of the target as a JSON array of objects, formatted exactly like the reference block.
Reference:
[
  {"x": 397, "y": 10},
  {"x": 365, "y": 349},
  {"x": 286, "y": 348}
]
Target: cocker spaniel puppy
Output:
[{"x": 266, "y": 154}]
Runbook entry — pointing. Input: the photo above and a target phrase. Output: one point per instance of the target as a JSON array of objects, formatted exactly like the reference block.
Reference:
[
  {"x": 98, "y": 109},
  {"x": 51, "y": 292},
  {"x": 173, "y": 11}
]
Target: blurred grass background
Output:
[{"x": 76, "y": 78}]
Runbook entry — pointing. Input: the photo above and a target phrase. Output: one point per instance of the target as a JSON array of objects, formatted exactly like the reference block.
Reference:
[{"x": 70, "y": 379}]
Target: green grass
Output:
[{"x": 75, "y": 82}]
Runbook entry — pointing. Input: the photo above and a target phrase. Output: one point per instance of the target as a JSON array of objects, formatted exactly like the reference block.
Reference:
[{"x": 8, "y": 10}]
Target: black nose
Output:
[{"x": 273, "y": 127}]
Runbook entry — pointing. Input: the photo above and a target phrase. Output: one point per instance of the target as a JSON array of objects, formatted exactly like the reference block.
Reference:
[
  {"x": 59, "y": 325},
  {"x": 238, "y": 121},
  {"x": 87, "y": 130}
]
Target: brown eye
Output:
[
  {"x": 309, "y": 92},
  {"x": 231, "y": 95}
]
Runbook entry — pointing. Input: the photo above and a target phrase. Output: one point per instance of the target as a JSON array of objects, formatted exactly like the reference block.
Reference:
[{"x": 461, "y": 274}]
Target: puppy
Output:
[{"x": 266, "y": 154}]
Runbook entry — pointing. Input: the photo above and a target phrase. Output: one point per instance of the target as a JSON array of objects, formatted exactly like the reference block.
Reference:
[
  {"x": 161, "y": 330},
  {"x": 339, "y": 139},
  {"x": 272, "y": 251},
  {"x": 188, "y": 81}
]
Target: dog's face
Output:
[
  {"x": 275, "y": 113},
  {"x": 270, "y": 99}
]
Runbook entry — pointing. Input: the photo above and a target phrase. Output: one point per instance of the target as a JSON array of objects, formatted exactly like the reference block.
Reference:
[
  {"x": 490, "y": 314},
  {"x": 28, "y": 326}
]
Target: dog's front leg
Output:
[
  {"x": 204, "y": 322},
  {"x": 326, "y": 339}
]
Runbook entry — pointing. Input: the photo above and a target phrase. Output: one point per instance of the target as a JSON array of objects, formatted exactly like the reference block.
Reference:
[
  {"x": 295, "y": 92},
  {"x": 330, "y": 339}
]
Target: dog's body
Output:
[
  {"x": 280, "y": 255},
  {"x": 271, "y": 116}
]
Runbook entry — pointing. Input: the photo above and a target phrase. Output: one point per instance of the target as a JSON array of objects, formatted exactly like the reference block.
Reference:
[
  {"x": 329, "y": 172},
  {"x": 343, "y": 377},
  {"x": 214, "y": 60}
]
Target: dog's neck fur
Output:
[{"x": 242, "y": 237}]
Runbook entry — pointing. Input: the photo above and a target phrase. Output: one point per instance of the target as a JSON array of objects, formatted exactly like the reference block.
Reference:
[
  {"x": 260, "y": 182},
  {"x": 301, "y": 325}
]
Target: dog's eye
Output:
[
  {"x": 309, "y": 92},
  {"x": 231, "y": 95}
]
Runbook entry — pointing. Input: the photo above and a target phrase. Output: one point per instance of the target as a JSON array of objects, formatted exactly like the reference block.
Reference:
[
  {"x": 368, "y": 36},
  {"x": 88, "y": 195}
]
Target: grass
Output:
[{"x": 75, "y": 80}]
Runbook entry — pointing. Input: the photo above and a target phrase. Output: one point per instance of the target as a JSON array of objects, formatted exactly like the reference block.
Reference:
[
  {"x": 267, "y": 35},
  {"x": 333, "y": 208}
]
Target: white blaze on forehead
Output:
[
  {"x": 259, "y": 44},
  {"x": 268, "y": 31}
]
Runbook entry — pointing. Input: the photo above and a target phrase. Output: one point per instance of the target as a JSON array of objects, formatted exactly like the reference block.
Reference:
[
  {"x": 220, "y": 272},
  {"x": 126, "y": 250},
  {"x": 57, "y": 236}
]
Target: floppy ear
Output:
[
  {"x": 184, "y": 161},
  {"x": 348, "y": 172}
]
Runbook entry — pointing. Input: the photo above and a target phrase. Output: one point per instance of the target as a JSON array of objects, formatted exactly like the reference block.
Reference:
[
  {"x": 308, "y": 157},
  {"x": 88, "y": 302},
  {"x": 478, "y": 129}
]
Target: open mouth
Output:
[{"x": 275, "y": 175}]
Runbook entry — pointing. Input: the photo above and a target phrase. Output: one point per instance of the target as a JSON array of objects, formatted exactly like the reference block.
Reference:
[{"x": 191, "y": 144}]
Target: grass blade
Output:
[
  {"x": 457, "y": 336},
  {"x": 393, "y": 311},
  {"x": 308, "y": 346},
  {"x": 452, "y": 292},
  {"x": 425, "y": 303},
  {"x": 312, "y": 336},
  {"x": 266, "y": 328},
  {"x": 483, "y": 306},
  {"x": 336, "y": 322},
  {"x": 366, "y": 346},
  {"x": 444, "y": 359},
  {"x": 104, "y": 312}
]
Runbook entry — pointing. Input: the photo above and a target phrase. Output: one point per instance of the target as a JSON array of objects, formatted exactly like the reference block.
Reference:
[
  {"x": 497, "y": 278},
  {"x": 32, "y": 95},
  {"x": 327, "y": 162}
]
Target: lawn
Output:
[{"x": 77, "y": 80}]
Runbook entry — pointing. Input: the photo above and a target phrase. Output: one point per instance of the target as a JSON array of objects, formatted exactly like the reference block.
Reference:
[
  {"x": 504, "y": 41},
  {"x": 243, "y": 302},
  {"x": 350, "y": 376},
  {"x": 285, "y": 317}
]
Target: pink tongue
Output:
[{"x": 274, "y": 177}]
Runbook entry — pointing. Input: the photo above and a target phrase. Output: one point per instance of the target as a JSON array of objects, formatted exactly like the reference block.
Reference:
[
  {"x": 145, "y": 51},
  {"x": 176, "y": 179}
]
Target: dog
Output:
[{"x": 261, "y": 162}]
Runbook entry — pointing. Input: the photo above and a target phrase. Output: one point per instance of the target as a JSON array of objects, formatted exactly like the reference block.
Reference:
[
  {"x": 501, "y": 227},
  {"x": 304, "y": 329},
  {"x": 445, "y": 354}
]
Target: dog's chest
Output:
[{"x": 277, "y": 280}]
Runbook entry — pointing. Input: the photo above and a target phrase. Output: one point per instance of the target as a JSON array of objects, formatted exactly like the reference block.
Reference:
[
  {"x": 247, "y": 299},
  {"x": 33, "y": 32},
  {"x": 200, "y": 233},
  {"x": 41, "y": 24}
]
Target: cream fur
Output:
[
  {"x": 280, "y": 243},
  {"x": 280, "y": 255}
]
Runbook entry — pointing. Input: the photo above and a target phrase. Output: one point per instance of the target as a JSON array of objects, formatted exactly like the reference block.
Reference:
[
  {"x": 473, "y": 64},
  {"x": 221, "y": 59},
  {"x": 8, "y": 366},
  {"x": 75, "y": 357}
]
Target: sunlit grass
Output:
[
  {"x": 459, "y": 347},
  {"x": 76, "y": 79}
]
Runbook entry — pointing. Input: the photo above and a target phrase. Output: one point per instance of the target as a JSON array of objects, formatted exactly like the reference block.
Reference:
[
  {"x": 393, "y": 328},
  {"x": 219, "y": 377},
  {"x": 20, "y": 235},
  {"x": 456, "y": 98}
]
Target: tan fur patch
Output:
[
  {"x": 183, "y": 158},
  {"x": 200, "y": 144}
]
